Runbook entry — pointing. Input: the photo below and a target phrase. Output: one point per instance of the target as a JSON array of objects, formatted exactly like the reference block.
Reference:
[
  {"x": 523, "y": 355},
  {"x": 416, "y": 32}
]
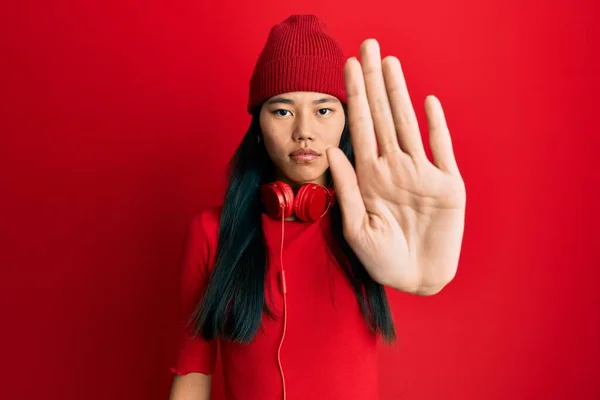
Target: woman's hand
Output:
[{"x": 403, "y": 215}]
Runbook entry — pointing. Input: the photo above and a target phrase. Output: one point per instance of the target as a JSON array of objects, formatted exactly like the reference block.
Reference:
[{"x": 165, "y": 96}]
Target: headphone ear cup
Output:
[
  {"x": 278, "y": 199},
  {"x": 312, "y": 202}
]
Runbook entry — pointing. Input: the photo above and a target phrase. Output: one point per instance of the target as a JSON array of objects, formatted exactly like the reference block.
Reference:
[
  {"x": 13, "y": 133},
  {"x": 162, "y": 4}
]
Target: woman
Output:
[{"x": 289, "y": 275}]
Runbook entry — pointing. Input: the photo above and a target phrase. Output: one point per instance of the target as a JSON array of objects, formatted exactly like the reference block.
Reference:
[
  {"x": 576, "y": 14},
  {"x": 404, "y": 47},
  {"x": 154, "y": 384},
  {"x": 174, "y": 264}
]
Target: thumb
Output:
[{"x": 346, "y": 188}]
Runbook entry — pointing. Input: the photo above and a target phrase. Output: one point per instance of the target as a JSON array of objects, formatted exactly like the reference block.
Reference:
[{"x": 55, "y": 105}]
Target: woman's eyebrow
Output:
[{"x": 285, "y": 100}]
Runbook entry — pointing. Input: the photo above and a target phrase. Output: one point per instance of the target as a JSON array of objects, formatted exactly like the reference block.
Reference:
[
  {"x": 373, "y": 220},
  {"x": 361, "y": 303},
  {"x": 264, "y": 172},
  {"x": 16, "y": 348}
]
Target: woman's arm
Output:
[
  {"x": 192, "y": 386},
  {"x": 195, "y": 358}
]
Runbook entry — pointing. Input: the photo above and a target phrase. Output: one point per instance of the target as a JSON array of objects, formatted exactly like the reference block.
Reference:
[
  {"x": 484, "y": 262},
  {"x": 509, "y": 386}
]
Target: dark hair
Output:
[{"x": 234, "y": 301}]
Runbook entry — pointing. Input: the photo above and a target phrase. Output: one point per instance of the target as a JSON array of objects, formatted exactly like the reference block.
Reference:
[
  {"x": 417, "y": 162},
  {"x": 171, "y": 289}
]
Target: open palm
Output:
[{"x": 403, "y": 215}]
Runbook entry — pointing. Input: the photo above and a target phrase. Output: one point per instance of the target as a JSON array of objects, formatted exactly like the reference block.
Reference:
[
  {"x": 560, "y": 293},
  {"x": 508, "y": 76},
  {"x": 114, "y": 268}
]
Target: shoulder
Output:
[
  {"x": 202, "y": 235},
  {"x": 207, "y": 221}
]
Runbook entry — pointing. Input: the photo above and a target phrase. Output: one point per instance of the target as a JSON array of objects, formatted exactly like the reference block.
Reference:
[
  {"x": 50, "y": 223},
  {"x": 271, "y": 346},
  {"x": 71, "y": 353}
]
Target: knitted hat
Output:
[{"x": 299, "y": 55}]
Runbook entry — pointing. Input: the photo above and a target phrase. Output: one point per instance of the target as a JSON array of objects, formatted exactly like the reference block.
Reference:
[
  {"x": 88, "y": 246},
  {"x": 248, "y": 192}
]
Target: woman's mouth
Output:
[{"x": 304, "y": 155}]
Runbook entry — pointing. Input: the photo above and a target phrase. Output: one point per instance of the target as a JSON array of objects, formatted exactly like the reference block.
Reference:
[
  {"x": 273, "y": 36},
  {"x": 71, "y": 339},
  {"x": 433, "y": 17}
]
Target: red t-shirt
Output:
[{"x": 328, "y": 351}]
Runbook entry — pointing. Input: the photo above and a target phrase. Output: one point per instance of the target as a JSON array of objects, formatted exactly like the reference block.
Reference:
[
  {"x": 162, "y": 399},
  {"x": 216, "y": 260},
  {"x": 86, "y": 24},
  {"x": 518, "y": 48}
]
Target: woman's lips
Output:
[{"x": 304, "y": 155}]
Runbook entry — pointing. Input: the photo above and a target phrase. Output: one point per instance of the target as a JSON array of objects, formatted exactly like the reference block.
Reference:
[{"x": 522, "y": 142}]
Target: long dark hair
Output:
[{"x": 234, "y": 301}]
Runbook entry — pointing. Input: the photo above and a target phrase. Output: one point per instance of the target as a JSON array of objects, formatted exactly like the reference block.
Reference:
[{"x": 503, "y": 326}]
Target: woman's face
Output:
[{"x": 297, "y": 128}]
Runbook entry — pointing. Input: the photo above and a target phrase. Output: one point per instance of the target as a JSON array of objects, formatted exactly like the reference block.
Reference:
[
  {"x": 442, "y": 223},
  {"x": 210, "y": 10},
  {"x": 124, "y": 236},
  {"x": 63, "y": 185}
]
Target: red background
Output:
[{"x": 117, "y": 118}]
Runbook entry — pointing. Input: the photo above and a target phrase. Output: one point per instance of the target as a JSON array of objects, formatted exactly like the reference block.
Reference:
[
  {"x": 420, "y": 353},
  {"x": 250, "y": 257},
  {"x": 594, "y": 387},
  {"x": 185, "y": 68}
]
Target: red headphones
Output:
[{"x": 310, "y": 203}]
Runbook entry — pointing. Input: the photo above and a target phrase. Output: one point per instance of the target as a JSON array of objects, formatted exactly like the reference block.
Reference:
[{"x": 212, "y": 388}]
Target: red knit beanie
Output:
[{"x": 299, "y": 55}]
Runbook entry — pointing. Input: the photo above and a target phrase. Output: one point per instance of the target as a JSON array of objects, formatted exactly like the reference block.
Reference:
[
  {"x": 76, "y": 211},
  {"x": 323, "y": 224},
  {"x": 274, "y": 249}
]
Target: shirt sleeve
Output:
[{"x": 194, "y": 353}]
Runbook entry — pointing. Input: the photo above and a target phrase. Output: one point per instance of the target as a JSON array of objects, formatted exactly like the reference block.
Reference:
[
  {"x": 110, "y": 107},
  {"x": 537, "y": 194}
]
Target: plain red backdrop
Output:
[{"x": 117, "y": 119}]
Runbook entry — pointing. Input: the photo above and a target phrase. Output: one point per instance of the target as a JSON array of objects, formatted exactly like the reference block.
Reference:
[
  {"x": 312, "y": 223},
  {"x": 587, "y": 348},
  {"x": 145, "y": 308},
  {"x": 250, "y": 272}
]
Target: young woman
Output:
[{"x": 331, "y": 201}]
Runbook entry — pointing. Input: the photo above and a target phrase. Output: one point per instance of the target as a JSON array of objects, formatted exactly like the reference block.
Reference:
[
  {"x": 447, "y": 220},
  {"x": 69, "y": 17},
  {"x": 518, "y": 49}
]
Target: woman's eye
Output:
[
  {"x": 324, "y": 111},
  {"x": 281, "y": 113}
]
